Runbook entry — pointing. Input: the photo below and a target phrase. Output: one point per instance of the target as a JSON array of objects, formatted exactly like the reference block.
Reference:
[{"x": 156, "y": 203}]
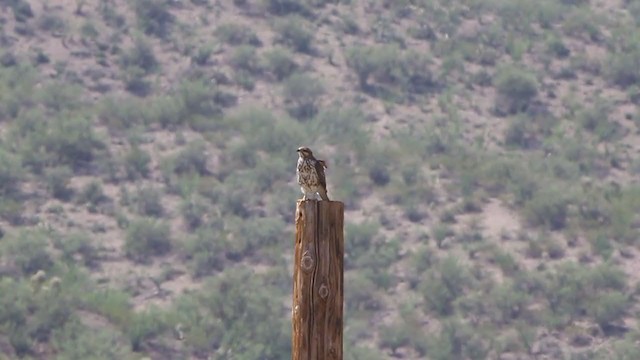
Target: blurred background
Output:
[{"x": 486, "y": 152}]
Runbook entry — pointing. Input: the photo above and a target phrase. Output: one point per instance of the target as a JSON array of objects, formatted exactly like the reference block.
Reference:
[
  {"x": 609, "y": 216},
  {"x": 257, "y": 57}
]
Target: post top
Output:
[{"x": 330, "y": 203}]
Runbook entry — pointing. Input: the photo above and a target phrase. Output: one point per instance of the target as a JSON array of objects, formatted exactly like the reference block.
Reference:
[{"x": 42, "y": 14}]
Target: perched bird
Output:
[{"x": 310, "y": 172}]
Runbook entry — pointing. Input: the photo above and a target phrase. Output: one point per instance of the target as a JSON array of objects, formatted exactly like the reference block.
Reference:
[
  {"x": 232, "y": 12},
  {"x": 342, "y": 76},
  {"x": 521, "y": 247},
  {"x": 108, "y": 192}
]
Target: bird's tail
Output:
[{"x": 323, "y": 195}]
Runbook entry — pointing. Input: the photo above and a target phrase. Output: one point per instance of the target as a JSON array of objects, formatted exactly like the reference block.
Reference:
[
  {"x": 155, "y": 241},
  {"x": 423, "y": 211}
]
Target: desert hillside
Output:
[{"x": 487, "y": 153}]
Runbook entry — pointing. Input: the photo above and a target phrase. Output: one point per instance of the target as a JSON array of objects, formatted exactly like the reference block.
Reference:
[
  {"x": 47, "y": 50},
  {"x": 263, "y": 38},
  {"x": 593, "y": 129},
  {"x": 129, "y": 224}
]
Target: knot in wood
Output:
[
  {"x": 323, "y": 291},
  {"x": 306, "y": 263}
]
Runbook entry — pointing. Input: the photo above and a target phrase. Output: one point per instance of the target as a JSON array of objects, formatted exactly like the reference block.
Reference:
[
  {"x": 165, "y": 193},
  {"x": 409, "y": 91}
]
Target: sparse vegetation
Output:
[
  {"x": 146, "y": 238},
  {"x": 293, "y": 32},
  {"x": 304, "y": 93},
  {"x": 516, "y": 87}
]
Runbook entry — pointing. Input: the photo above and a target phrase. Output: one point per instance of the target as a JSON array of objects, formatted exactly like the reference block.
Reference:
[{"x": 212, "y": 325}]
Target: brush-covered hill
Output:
[{"x": 486, "y": 151}]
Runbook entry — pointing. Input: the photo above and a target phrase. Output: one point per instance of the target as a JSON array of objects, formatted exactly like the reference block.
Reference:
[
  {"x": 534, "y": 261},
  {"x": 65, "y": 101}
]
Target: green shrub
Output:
[
  {"x": 74, "y": 141},
  {"x": 293, "y": 32},
  {"x": 146, "y": 238},
  {"x": 457, "y": 340},
  {"x": 59, "y": 96},
  {"x": 361, "y": 294},
  {"x": 348, "y": 25},
  {"x": 110, "y": 16},
  {"x": 441, "y": 232},
  {"x": 170, "y": 110},
  {"x": 88, "y": 30},
  {"x": 608, "y": 308},
  {"x": 76, "y": 341},
  {"x": 270, "y": 172},
  {"x": 135, "y": 81},
  {"x": 583, "y": 23},
  {"x": 15, "y": 299},
  {"x": 64, "y": 141},
  {"x": 443, "y": 285},
  {"x": 199, "y": 97},
  {"x": 284, "y": 7},
  {"x": 52, "y": 23},
  {"x": 224, "y": 316},
  {"x": 206, "y": 252},
  {"x": 517, "y": 87},
  {"x": 507, "y": 262},
  {"x": 406, "y": 71},
  {"x": 112, "y": 304},
  {"x": 548, "y": 207},
  {"x": 623, "y": 68},
  {"x": 416, "y": 77},
  {"x": 136, "y": 163},
  {"x": 607, "y": 276},
  {"x": 379, "y": 174},
  {"x": 234, "y": 201},
  {"x": 237, "y": 34},
  {"x": 11, "y": 173},
  {"x": 121, "y": 113},
  {"x": 154, "y": 17},
  {"x": 92, "y": 194},
  {"x": 245, "y": 80},
  {"x": 376, "y": 261},
  {"x": 149, "y": 202},
  {"x": 622, "y": 212},
  {"x": 140, "y": 56},
  {"x": 28, "y": 250},
  {"x": 266, "y": 132},
  {"x": 21, "y": 10},
  {"x": 557, "y": 48},
  {"x": 573, "y": 290},
  {"x": 602, "y": 246},
  {"x": 361, "y": 352},
  {"x": 57, "y": 180},
  {"x": 508, "y": 303},
  {"x": 77, "y": 245},
  {"x": 193, "y": 212},
  {"x": 280, "y": 63},
  {"x": 192, "y": 159},
  {"x": 145, "y": 326},
  {"x": 595, "y": 118},
  {"x": 202, "y": 55},
  {"x": 245, "y": 155},
  {"x": 422, "y": 259},
  {"x": 52, "y": 311},
  {"x": 367, "y": 61},
  {"x": 358, "y": 239},
  {"x": 304, "y": 93},
  {"x": 534, "y": 249},
  {"x": 395, "y": 336},
  {"x": 342, "y": 123},
  {"x": 262, "y": 232},
  {"x": 244, "y": 58},
  {"x": 519, "y": 133},
  {"x": 11, "y": 210},
  {"x": 555, "y": 249}
]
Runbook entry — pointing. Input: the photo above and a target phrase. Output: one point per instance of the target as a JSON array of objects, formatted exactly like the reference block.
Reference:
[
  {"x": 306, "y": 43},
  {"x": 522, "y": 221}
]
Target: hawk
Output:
[{"x": 310, "y": 172}]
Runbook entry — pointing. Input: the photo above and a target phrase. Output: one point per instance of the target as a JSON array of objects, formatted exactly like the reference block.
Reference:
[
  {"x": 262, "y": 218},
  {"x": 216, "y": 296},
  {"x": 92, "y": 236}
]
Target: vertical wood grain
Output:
[{"x": 318, "y": 281}]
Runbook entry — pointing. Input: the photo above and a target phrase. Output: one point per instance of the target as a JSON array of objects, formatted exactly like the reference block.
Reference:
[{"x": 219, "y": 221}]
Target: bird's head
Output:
[{"x": 304, "y": 152}]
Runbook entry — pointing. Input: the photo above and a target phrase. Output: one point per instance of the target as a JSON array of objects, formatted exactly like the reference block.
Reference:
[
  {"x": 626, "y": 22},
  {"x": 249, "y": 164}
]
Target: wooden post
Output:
[{"x": 318, "y": 281}]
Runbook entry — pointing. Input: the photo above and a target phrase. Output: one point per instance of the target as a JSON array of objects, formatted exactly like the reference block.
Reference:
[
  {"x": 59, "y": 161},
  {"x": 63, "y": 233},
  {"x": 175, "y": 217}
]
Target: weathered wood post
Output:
[{"x": 318, "y": 281}]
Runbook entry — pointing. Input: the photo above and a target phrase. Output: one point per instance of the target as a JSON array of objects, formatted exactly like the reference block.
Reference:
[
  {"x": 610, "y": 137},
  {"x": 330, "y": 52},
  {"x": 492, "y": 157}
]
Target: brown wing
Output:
[{"x": 320, "y": 165}]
